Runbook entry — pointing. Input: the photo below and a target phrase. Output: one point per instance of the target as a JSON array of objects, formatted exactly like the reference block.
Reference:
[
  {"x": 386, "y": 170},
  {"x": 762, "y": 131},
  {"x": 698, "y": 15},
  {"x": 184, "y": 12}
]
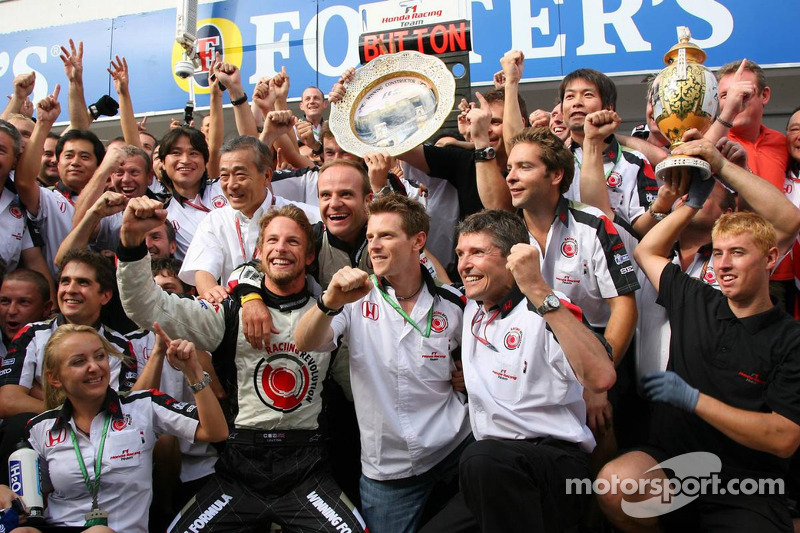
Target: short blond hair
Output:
[{"x": 761, "y": 231}]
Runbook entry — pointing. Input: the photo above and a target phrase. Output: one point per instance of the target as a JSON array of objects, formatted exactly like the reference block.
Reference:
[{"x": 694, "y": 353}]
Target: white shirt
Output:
[
  {"x": 186, "y": 215},
  {"x": 54, "y": 221},
  {"x": 126, "y": 483},
  {"x": 586, "y": 260},
  {"x": 15, "y": 237},
  {"x": 409, "y": 416},
  {"x": 631, "y": 182},
  {"x": 226, "y": 238},
  {"x": 525, "y": 389}
]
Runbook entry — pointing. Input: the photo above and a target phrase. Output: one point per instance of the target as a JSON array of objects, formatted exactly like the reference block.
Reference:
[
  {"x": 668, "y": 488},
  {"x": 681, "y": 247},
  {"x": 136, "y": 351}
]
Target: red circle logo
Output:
[
  {"x": 710, "y": 276},
  {"x": 614, "y": 180},
  {"x": 513, "y": 339},
  {"x": 219, "y": 201},
  {"x": 438, "y": 322},
  {"x": 569, "y": 248},
  {"x": 15, "y": 211},
  {"x": 282, "y": 381}
]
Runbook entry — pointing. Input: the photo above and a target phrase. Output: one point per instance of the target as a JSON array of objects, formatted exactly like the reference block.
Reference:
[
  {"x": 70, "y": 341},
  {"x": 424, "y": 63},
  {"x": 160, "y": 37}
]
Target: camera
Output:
[{"x": 184, "y": 69}]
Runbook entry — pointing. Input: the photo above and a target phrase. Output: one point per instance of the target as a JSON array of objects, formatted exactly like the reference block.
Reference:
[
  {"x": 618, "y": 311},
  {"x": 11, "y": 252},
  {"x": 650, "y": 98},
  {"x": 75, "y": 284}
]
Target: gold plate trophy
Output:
[{"x": 684, "y": 97}]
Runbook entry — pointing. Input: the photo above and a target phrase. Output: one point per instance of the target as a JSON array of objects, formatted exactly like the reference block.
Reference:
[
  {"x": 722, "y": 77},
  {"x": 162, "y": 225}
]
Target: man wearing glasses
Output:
[
  {"x": 527, "y": 360},
  {"x": 404, "y": 332}
]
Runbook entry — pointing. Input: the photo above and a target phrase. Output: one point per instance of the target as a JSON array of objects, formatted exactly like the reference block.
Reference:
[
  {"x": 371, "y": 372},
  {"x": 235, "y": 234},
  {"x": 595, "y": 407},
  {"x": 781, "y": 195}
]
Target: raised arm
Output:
[
  {"x": 492, "y": 188},
  {"x": 216, "y": 119},
  {"x": 109, "y": 203},
  {"x": 97, "y": 184},
  {"x": 513, "y": 63},
  {"x": 597, "y": 127},
  {"x": 31, "y": 159},
  {"x": 23, "y": 88},
  {"x": 79, "y": 116},
  {"x": 586, "y": 354},
  {"x": 230, "y": 76},
  {"x": 127, "y": 121}
]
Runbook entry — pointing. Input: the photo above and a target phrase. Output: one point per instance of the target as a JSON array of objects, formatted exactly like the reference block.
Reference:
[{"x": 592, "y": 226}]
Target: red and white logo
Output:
[
  {"x": 370, "y": 310},
  {"x": 176, "y": 226},
  {"x": 513, "y": 339},
  {"x": 218, "y": 201},
  {"x": 120, "y": 424},
  {"x": 438, "y": 322},
  {"x": 62, "y": 206},
  {"x": 710, "y": 276},
  {"x": 614, "y": 179},
  {"x": 569, "y": 247},
  {"x": 283, "y": 380},
  {"x": 15, "y": 211},
  {"x": 57, "y": 438}
]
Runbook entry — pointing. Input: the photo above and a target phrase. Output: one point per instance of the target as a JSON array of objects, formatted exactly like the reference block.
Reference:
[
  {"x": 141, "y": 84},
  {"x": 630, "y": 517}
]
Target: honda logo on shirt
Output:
[
  {"x": 369, "y": 310},
  {"x": 56, "y": 438}
]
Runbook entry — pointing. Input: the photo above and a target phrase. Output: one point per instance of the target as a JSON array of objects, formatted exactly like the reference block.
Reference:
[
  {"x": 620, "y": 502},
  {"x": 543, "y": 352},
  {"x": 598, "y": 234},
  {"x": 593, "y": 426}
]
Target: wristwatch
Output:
[
  {"x": 484, "y": 154},
  {"x": 202, "y": 384},
  {"x": 551, "y": 303},
  {"x": 656, "y": 215},
  {"x": 325, "y": 309}
]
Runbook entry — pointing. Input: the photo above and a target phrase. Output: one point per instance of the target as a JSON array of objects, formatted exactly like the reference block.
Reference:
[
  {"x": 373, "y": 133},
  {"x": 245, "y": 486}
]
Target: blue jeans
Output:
[{"x": 396, "y": 505}]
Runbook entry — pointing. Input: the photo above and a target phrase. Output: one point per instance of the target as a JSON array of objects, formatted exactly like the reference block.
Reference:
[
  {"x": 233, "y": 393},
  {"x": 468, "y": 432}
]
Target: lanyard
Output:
[
  {"x": 396, "y": 306},
  {"x": 198, "y": 206},
  {"x": 92, "y": 487},
  {"x": 610, "y": 170},
  {"x": 476, "y": 321},
  {"x": 241, "y": 241}
]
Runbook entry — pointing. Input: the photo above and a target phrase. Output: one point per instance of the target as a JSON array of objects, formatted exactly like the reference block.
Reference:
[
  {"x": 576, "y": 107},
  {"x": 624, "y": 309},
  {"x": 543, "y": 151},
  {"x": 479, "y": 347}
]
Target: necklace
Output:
[{"x": 401, "y": 298}]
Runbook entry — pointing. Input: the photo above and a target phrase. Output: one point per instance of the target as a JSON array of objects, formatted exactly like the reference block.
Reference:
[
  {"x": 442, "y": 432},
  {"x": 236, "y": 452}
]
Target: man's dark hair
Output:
[
  {"x": 33, "y": 277},
  {"x": 505, "y": 229},
  {"x": 169, "y": 266},
  {"x": 606, "y": 87},
  {"x": 170, "y": 229},
  {"x": 499, "y": 95},
  {"x": 11, "y": 130},
  {"x": 82, "y": 135},
  {"x": 262, "y": 156},
  {"x": 51, "y": 135},
  {"x": 103, "y": 268},
  {"x": 366, "y": 188},
  {"x": 552, "y": 152},
  {"x": 196, "y": 139}
]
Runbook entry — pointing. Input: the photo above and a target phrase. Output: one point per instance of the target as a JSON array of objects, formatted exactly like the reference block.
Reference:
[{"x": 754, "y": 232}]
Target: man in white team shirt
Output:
[{"x": 227, "y": 237}]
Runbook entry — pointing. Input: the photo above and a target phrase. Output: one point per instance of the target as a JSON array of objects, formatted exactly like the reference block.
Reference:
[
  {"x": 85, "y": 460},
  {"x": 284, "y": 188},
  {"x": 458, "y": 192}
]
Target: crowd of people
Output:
[{"x": 265, "y": 331}]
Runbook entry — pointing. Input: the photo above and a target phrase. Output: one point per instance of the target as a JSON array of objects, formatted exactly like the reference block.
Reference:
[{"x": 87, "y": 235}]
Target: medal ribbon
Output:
[
  {"x": 92, "y": 487},
  {"x": 396, "y": 307}
]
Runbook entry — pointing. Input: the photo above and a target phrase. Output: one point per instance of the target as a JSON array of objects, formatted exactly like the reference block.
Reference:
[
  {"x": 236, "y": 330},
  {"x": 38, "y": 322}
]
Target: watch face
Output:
[{"x": 552, "y": 301}]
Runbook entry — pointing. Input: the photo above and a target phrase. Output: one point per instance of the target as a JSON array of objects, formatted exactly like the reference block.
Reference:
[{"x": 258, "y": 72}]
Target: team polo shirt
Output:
[
  {"x": 520, "y": 383},
  {"x": 24, "y": 361},
  {"x": 750, "y": 363},
  {"x": 15, "y": 236},
  {"x": 409, "y": 416},
  {"x": 653, "y": 331},
  {"x": 226, "y": 238},
  {"x": 54, "y": 220},
  {"x": 586, "y": 260},
  {"x": 791, "y": 188},
  {"x": 630, "y": 180},
  {"x": 126, "y": 483},
  {"x": 186, "y": 215}
]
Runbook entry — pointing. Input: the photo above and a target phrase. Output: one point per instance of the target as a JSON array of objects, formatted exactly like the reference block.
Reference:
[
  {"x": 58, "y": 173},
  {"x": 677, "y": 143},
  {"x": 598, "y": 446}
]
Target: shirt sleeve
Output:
[
  {"x": 206, "y": 252},
  {"x": 340, "y": 326},
  {"x": 173, "y": 417}
]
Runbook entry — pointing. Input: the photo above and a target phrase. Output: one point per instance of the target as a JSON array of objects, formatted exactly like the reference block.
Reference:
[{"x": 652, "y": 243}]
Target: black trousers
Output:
[{"x": 508, "y": 485}]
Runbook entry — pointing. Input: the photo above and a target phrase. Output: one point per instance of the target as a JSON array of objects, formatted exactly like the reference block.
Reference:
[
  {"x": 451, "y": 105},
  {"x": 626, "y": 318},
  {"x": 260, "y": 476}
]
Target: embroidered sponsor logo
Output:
[
  {"x": 120, "y": 424},
  {"x": 15, "y": 211},
  {"x": 513, "y": 339},
  {"x": 126, "y": 455},
  {"x": 370, "y": 310},
  {"x": 614, "y": 179},
  {"x": 5, "y": 371},
  {"x": 569, "y": 248},
  {"x": 621, "y": 258},
  {"x": 617, "y": 247},
  {"x": 218, "y": 201},
  {"x": 710, "y": 276},
  {"x": 438, "y": 322},
  {"x": 567, "y": 280},
  {"x": 626, "y": 270},
  {"x": 284, "y": 380},
  {"x": 650, "y": 197},
  {"x": 205, "y": 517},
  {"x": 755, "y": 379},
  {"x": 435, "y": 356},
  {"x": 503, "y": 375},
  {"x": 56, "y": 438},
  {"x": 8, "y": 362}
]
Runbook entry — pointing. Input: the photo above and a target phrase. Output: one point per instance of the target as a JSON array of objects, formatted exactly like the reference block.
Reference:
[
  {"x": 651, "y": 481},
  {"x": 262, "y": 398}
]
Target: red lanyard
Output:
[
  {"x": 476, "y": 321},
  {"x": 199, "y": 207},
  {"x": 239, "y": 234}
]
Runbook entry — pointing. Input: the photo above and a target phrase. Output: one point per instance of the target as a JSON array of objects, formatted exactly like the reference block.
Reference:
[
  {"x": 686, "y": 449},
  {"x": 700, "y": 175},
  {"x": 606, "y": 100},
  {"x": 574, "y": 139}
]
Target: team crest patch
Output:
[
  {"x": 370, "y": 310},
  {"x": 710, "y": 276},
  {"x": 120, "y": 424},
  {"x": 15, "y": 211},
  {"x": 218, "y": 201},
  {"x": 614, "y": 179},
  {"x": 438, "y": 322},
  {"x": 175, "y": 225},
  {"x": 283, "y": 380},
  {"x": 513, "y": 339},
  {"x": 569, "y": 247}
]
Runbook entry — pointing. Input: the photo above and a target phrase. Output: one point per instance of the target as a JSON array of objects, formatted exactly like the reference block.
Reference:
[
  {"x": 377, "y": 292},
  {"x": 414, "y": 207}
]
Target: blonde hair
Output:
[
  {"x": 53, "y": 358},
  {"x": 761, "y": 231}
]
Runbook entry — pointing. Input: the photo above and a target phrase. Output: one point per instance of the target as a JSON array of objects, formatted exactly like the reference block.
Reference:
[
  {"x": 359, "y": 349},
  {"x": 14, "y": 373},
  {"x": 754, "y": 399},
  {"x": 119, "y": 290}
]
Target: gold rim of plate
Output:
[{"x": 429, "y": 69}]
